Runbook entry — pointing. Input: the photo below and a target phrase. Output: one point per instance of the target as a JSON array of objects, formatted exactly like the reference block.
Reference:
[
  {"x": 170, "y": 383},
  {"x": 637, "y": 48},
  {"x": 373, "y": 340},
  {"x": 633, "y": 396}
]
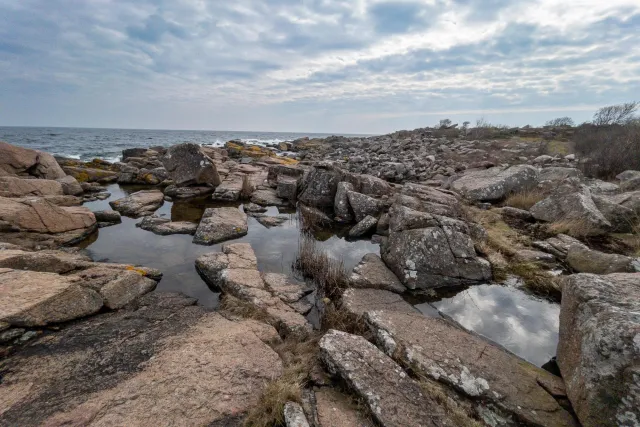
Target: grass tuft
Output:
[
  {"x": 327, "y": 273},
  {"x": 577, "y": 228},
  {"x": 536, "y": 279},
  {"x": 524, "y": 199},
  {"x": 247, "y": 188}
]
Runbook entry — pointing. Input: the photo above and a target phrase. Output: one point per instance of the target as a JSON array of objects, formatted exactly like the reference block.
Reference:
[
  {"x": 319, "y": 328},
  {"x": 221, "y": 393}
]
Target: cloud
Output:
[{"x": 316, "y": 65}]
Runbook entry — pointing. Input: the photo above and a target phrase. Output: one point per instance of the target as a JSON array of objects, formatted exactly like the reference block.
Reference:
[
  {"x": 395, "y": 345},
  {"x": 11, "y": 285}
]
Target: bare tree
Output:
[
  {"x": 560, "y": 121},
  {"x": 615, "y": 114}
]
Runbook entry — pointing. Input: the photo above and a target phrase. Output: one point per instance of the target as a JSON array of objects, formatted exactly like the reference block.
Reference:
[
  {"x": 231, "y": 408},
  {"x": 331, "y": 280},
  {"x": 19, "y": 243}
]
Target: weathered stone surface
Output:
[
  {"x": 471, "y": 365},
  {"x": 341, "y": 206},
  {"x": 569, "y": 204},
  {"x": 622, "y": 218},
  {"x": 270, "y": 221},
  {"x": 363, "y": 205},
  {"x": 294, "y": 415},
  {"x": 193, "y": 368},
  {"x": 496, "y": 183},
  {"x": 359, "y": 301},
  {"x": 629, "y": 200},
  {"x": 176, "y": 192},
  {"x": 631, "y": 184},
  {"x": 285, "y": 288},
  {"x": 230, "y": 189},
  {"x": 268, "y": 197},
  {"x": 22, "y": 161},
  {"x": 558, "y": 174},
  {"x": 45, "y": 261},
  {"x": 235, "y": 271},
  {"x": 319, "y": 186},
  {"x": 70, "y": 186},
  {"x": 11, "y": 186},
  {"x": 334, "y": 410},
  {"x": 598, "y": 350},
  {"x": 85, "y": 173},
  {"x": 107, "y": 217},
  {"x": 187, "y": 164},
  {"x": 585, "y": 260},
  {"x": 37, "y": 299},
  {"x": 366, "y": 225},
  {"x": 140, "y": 203},
  {"x": 287, "y": 188},
  {"x": 220, "y": 224},
  {"x": 165, "y": 227},
  {"x": 35, "y": 214},
  {"x": 253, "y": 208},
  {"x": 372, "y": 273},
  {"x": 394, "y": 399}
]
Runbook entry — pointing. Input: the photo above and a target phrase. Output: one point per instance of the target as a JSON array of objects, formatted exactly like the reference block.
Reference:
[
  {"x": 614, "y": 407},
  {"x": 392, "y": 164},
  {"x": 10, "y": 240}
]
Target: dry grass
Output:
[
  {"x": 461, "y": 415},
  {"x": 247, "y": 188},
  {"x": 577, "y": 228},
  {"x": 327, "y": 273},
  {"x": 500, "y": 237},
  {"x": 536, "y": 279},
  {"x": 524, "y": 199},
  {"x": 310, "y": 218},
  {"x": 236, "y": 307}
]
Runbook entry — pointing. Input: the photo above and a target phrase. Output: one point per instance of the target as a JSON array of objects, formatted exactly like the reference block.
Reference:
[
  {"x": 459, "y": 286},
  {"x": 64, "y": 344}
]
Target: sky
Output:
[{"x": 343, "y": 66}]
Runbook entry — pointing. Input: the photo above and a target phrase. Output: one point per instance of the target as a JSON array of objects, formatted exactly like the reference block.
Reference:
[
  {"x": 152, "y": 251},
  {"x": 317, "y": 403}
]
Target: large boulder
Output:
[
  {"x": 363, "y": 205},
  {"x": 140, "y": 203},
  {"x": 11, "y": 186},
  {"x": 494, "y": 184},
  {"x": 582, "y": 259},
  {"x": 319, "y": 186},
  {"x": 372, "y": 273},
  {"x": 70, "y": 186},
  {"x": 187, "y": 164},
  {"x": 34, "y": 214},
  {"x": 22, "y": 161},
  {"x": 220, "y": 224},
  {"x": 341, "y": 206},
  {"x": 599, "y": 347},
  {"x": 507, "y": 386}
]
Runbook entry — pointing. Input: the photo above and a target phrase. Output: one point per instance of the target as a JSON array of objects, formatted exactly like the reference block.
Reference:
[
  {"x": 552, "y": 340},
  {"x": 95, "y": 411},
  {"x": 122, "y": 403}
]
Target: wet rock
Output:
[
  {"x": 181, "y": 193},
  {"x": 474, "y": 367},
  {"x": 140, "y": 203},
  {"x": 11, "y": 186},
  {"x": 270, "y": 221},
  {"x": 294, "y": 415},
  {"x": 220, "y": 224},
  {"x": 235, "y": 271},
  {"x": 165, "y": 227},
  {"x": 318, "y": 188},
  {"x": 372, "y": 273},
  {"x": 37, "y": 299},
  {"x": 359, "y": 301},
  {"x": 267, "y": 197},
  {"x": 106, "y": 218},
  {"x": 196, "y": 368},
  {"x": 333, "y": 409},
  {"x": 70, "y": 186},
  {"x": 598, "y": 351},
  {"x": 366, "y": 225},
  {"x": 363, "y": 205},
  {"x": 584, "y": 260},
  {"x": 393, "y": 398},
  {"x": 341, "y": 206},
  {"x": 22, "y": 161},
  {"x": 187, "y": 164},
  {"x": 253, "y": 208},
  {"x": 496, "y": 183}
]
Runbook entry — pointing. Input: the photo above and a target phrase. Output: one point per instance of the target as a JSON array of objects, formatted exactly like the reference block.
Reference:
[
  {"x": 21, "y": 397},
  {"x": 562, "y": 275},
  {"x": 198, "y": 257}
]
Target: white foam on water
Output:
[{"x": 68, "y": 156}]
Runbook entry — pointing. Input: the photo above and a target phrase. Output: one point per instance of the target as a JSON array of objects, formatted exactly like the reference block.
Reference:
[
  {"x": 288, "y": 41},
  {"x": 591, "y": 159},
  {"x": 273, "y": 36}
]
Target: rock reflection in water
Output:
[
  {"x": 174, "y": 255},
  {"x": 522, "y": 323}
]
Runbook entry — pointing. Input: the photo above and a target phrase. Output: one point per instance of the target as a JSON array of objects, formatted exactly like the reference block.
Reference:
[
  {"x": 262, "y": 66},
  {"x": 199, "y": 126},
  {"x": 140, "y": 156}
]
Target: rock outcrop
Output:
[
  {"x": 494, "y": 184},
  {"x": 11, "y": 186},
  {"x": 220, "y": 224},
  {"x": 18, "y": 161},
  {"x": 165, "y": 227},
  {"x": 187, "y": 164},
  {"x": 372, "y": 273},
  {"x": 140, "y": 203}
]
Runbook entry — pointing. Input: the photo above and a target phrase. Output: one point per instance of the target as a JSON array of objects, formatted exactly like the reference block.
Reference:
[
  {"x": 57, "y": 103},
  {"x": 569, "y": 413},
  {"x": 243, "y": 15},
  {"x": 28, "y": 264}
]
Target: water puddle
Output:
[
  {"x": 175, "y": 255},
  {"x": 522, "y": 323}
]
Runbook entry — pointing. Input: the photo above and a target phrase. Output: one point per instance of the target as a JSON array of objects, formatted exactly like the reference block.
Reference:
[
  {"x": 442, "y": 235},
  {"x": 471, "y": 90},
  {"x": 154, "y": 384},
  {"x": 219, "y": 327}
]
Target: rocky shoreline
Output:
[{"x": 84, "y": 342}]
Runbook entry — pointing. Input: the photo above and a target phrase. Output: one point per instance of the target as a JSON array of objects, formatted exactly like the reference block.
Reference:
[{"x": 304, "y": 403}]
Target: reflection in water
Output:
[
  {"x": 175, "y": 255},
  {"x": 522, "y": 323}
]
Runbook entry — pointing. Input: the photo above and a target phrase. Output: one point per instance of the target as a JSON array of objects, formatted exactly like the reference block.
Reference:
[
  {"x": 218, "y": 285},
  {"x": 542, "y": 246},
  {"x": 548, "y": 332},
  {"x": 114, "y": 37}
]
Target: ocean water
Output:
[{"x": 107, "y": 144}]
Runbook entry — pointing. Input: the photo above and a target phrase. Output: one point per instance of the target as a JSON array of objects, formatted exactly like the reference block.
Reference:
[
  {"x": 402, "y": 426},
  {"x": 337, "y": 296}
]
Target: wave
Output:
[{"x": 69, "y": 156}]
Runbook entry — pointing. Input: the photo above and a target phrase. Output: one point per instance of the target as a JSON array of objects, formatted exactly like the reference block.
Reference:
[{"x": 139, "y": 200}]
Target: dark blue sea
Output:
[{"x": 107, "y": 144}]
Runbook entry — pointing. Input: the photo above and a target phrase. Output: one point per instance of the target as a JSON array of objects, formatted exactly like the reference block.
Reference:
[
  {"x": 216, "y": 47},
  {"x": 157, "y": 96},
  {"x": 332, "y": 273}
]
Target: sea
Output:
[{"x": 86, "y": 143}]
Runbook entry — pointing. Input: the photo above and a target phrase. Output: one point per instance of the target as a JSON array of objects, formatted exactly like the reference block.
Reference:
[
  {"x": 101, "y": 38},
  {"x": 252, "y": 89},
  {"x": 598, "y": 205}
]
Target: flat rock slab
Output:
[
  {"x": 164, "y": 362},
  {"x": 372, "y": 273},
  {"x": 35, "y": 214},
  {"x": 140, "y": 203},
  {"x": 11, "y": 186},
  {"x": 165, "y": 227},
  {"x": 220, "y": 224},
  {"x": 268, "y": 197},
  {"x": 393, "y": 398},
  {"x": 471, "y": 365},
  {"x": 496, "y": 183},
  {"x": 599, "y": 347},
  {"x": 360, "y": 301},
  {"x": 230, "y": 188},
  {"x": 270, "y": 221}
]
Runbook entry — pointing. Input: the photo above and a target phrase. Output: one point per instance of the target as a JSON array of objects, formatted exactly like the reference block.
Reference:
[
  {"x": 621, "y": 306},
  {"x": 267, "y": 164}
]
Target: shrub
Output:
[
  {"x": 560, "y": 121},
  {"x": 444, "y": 123},
  {"x": 615, "y": 114},
  {"x": 608, "y": 150}
]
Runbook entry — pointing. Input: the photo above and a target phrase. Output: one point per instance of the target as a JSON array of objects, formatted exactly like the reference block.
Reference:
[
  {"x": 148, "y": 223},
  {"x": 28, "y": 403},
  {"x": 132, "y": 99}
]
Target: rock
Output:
[
  {"x": 35, "y": 214},
  {"x": 11, "y": 335},
  {"x": 567, "y": 204},
  {"x": 318, "y": 188},
  {"x": 220, "y": 224},
  {"x": 392, "y": 397},
  {"x": 83, "y": 173},
  {"x": 11, "y": 186},
  {"x": 584, "y": 260},
  {"x": 341, "y": 206},
  {"x": 106, "y": 217},
  {"x": 253, "y": 208},
  {"x": 496, "y": 183},
  {"x": 363, "y": 205},
  {"x": 294, "y": 415},
  {"x": 535, "y": 257},
  {"x": 365, "y": 226},
  {"x": 140, "y": 203},
  {"x": 369, "y": 185},
  {"x": 359, "y": 301},
  {"x": 267, "y": 197},
  {"x": 372, "y": 273},
  {"x": 187, "y": 164},
  {"x": 516, "y": 213},
  {"x": 316, "y": 217},
  {"x": 165, "y": 227},
  {"x": 181, "y": 193},
  {"x": 37, "y": 299},
  {"x": 507, "y": 386},
  {"x": 632, "y": 184},
  {"x": 287, "y": 188},
  {"x": 45, "y": 261},
  {"x": 597, "y": 186},
  {"x": 598, "y": 351},
  {"x": 270, "y": 221},
  {"x": 334, "y": 410},
  {"x": 621, "y": 217},
  {"x": 230, "y": 189},
  {"x": 235, "y": 272},
  {"x": 285, "y": 288},
  {"x": 628, "y": 200},
  {"x": 22, "y": 161},
  {"x": 70, "y": 186},
  {"x": 196, "y": 368}
]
